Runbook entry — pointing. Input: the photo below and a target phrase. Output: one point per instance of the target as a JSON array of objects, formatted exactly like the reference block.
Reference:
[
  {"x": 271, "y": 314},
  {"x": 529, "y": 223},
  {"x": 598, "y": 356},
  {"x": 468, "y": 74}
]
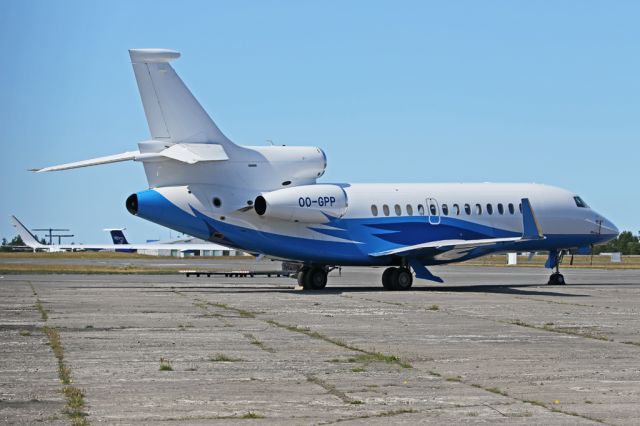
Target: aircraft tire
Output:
[
  {"x": 393, "y": 279},
  {"x": 403, "y": 279},
  {"x": 316, "y": 279},
  {"x": 386, "y": 278},
  {"x": 302, "y": 274},
  {"x": 556, "y": 279}
]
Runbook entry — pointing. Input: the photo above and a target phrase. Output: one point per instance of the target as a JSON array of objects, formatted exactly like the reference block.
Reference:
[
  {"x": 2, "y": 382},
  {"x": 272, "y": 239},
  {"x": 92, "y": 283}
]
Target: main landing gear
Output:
[
  {"x": 555, "y": 259},
  {"x": 313, "y": 277},
  {"x": 397, "y": 278}
]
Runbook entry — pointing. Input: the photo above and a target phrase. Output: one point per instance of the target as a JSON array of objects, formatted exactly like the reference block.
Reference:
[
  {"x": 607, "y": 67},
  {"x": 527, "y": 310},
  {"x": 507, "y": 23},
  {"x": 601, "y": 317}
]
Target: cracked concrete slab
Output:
[{"x": 491, "y": 345}]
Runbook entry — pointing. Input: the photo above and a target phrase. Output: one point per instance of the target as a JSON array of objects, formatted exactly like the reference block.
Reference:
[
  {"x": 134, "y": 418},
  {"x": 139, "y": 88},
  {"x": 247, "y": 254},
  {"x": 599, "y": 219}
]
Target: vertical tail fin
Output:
[
  {"x": 26, "y": 236},
  {"x": 173, "y": 113},
  {"x": 117, "y": 235}
]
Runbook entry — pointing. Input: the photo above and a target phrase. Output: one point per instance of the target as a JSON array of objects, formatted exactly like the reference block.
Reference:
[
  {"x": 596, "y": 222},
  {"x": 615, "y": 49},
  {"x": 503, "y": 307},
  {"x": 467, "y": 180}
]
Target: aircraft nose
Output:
[
  {"x": 606, "y": 229},
  {"x": 609, "y": 228}
]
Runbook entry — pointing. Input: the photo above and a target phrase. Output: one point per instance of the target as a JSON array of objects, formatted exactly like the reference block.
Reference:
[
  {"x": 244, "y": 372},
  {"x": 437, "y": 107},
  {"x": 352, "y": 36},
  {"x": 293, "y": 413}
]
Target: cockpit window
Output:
[{"x": 580, "y": 202}]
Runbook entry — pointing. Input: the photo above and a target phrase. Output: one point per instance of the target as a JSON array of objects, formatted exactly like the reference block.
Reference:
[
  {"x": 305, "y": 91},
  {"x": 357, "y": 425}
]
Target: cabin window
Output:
[
  {"x": 398, "y": 210},
  {"x": 580, "y": 202},
  {"x": 420, "y": 209},
  {"x": 432, "y": 209},
  {"x": 445, "y": 210},
  {"x": 500, "y": 208},
  {"x": 478, "y": 209},
  {"x": 456, "y": 209},
  {"x": 512, "y": 210},
  {"x": 520, "y": 207},
  {"x": 385, "y": 210},
  {"x": 374, "y": 210},
  {"x": 216, "y": 202},
  {"x": 467, "y": 209},
  {"x": 409, "y": 210},
  {"x": 489, "y": 209}
]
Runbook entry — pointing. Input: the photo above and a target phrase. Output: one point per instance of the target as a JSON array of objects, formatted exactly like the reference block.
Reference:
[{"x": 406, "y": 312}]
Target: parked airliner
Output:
[
  {"x": 267, "y": 199},
  {"x": 118, "y": 244}
]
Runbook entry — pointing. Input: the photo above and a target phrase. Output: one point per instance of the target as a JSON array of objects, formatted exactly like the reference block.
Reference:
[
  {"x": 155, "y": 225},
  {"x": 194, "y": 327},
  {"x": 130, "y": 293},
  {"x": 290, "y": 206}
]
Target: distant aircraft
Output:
[
  {"x": 34, "y": 244},
  {"x": 119, "y": 239},
  {"x": 117, "y": 235},
  {"x": 266, "y": 199}
]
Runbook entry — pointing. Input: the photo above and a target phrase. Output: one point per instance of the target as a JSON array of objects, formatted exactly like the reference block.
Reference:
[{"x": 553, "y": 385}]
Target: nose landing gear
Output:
[
  {"x": 556, "y": 279},
  {"x": 555, "y": 258}
]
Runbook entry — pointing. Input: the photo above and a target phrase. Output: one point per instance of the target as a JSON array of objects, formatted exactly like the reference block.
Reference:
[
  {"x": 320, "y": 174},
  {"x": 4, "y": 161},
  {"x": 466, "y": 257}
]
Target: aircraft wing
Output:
[
  {"x": 457, "y": 248},
  {"x": 167, "y": 246},
  {"x": 444, "y": 245},
  {"x": 144, "y": 246}
]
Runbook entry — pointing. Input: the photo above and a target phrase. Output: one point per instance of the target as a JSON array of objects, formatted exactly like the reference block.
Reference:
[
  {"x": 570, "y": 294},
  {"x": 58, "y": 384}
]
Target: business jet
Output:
[
  {"x": 268, "y": 200},
  {"x": 182, "y": 246}
]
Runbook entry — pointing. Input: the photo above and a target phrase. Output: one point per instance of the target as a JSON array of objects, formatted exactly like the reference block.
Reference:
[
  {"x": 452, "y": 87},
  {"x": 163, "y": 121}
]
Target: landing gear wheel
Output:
[
  {"x": 386, "y": 278},
  {"x": 315, "y": 279},
  {"x": 397, "y": 279},
  {"x": 302, "y": 274},
  {"x": 403, "y": 279},
  {"x": 556, "y": 279}
]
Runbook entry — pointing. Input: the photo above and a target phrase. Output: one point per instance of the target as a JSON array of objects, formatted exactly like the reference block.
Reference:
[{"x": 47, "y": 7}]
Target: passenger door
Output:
[{"x": 433, "y": 211}]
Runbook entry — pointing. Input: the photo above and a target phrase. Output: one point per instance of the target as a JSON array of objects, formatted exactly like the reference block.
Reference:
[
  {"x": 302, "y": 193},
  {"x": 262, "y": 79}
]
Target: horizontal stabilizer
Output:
[
  {"x": 184, "y": 152},
  {"x": 125, "y": 156},
  {"x": 153, "y": 55}
]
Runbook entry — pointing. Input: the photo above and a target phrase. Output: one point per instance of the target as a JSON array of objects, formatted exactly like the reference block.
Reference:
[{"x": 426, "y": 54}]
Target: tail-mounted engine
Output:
[{"x": 307, "y": 203}]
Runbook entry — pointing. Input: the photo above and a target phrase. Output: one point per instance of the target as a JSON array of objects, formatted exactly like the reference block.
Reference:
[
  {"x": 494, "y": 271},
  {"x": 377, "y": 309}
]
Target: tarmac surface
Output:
[{"x": 491, "y": 345}]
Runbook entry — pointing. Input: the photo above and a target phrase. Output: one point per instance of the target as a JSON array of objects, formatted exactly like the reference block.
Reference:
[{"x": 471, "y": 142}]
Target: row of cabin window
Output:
[{"x": 445, "y": 209}]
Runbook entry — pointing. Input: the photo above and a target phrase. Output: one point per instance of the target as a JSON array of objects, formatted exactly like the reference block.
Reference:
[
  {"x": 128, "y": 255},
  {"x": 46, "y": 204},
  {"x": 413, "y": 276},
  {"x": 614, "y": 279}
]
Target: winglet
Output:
[
  {"x": 27, "y": 237},
  {"x": 530, "y": 227}
]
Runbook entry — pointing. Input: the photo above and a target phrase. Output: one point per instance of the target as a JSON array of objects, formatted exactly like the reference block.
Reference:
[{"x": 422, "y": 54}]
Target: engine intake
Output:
[{"x": 132, "y": 204}]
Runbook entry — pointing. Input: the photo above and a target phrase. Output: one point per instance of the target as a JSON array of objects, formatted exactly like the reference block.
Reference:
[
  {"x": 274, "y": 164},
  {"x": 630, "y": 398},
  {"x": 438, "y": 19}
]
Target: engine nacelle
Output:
[{"x": 306, "y": 203}]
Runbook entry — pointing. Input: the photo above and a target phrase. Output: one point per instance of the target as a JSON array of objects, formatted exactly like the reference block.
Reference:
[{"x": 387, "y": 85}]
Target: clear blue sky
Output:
[{"x": 544, "y": 91}]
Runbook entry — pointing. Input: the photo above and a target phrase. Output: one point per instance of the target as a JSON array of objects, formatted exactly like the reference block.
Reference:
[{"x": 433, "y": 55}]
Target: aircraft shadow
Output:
[{"x": 519, "y": 290}]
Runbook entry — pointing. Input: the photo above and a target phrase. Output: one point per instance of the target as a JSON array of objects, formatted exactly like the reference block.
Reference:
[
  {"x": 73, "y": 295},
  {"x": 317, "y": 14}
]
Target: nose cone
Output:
[{"x": 608, "y": 230}]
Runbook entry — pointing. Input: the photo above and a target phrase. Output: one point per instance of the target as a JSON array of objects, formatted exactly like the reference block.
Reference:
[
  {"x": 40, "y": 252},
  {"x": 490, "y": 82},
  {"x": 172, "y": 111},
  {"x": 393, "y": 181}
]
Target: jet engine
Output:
[{"x": 306, "y": 203}]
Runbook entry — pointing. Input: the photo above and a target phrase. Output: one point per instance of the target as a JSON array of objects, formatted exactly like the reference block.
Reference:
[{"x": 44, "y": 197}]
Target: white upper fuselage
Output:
[{"x": 555, "y": 208}]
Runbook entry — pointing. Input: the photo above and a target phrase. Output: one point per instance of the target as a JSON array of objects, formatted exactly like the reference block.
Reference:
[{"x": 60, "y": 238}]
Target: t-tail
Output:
[
  {"x": 181, "y": 130},
  {"x": 187, "y": 148}
]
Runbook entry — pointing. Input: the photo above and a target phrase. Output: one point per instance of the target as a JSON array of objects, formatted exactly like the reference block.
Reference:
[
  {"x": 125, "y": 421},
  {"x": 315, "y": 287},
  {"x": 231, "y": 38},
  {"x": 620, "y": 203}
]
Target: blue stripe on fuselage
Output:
[{"x": 360, "y": 236}]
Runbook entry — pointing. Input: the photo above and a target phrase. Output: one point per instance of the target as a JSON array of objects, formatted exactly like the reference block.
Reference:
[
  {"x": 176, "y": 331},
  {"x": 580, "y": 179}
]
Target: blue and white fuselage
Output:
[
  {"x": 386, "y": 217},
  {"x": 268, "y": 199}
]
